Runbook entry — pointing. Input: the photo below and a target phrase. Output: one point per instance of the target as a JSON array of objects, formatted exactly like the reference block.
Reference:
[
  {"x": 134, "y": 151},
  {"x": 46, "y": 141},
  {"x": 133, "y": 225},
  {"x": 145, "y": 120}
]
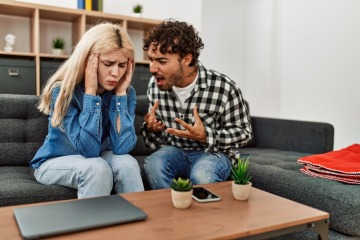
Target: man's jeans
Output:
[
  {"x": 201, "y": 167},
  {"x": 92, "y": 177}
]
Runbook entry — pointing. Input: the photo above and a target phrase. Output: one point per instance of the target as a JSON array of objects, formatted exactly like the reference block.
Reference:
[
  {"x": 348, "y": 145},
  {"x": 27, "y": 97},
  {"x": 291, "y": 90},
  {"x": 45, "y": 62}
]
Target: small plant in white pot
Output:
[
  {"x": 181, "y": 193},
  {"x": 137, "y": 10},
  {"x": 241, "y": 186},
  {"x": 58, "y": 44}
]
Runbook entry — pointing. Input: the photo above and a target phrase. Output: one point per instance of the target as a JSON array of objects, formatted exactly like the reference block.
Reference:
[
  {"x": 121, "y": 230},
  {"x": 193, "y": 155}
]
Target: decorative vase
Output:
[
  {"x": 181, "y": 200},
  {"x": 240, "y": 191},
  {"x": 57, "y": 51}
]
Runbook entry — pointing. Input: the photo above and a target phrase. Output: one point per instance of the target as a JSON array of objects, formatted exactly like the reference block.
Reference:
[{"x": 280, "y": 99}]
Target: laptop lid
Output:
[{"x": 75, "y": 215}]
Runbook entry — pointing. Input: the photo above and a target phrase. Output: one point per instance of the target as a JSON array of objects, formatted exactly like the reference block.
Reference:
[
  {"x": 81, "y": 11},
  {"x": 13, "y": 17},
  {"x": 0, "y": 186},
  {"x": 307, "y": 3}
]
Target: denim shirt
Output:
[{"x": 89, "y": 126}]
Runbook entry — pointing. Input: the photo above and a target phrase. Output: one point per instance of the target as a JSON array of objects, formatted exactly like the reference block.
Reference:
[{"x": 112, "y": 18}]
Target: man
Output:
[{"x": 197, "y": 117}]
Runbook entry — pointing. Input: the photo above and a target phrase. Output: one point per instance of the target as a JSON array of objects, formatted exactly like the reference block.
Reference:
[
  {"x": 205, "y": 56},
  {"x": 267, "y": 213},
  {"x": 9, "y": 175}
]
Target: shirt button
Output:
[
  {"x": 118, "y": 104},
  {"x": 97, "y": 104}
]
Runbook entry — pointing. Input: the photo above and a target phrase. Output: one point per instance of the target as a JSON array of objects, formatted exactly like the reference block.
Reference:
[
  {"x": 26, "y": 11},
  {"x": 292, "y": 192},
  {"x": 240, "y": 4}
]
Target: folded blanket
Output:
[{"x": 341, "y": 165}]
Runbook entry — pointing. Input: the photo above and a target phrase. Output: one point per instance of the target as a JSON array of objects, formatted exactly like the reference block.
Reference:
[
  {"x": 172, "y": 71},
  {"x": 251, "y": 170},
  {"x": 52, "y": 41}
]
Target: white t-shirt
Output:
[{"x": 185, "y": 92}]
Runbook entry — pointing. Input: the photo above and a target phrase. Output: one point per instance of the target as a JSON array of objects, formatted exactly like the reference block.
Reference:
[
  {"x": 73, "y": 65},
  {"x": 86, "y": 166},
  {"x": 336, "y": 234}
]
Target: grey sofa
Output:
[{"x": 276, "y": 146}]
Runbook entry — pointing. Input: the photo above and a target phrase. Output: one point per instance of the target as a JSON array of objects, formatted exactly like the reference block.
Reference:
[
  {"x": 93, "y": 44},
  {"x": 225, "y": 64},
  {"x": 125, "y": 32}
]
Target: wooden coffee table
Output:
[{"x": 264, "y": 215}]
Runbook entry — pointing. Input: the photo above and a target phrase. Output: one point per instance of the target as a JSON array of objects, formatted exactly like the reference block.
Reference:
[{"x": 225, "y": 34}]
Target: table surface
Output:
[{"x": 226, "y": 219}]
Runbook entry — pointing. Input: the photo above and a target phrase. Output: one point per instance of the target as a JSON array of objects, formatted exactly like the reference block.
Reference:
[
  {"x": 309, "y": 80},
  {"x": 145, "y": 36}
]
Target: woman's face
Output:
[{"x": 112, "y": 67}]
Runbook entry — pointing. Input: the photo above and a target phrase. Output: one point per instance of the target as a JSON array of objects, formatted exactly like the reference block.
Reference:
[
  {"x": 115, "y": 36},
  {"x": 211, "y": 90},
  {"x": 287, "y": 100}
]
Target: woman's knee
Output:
[{"x": 98, "y": 168}]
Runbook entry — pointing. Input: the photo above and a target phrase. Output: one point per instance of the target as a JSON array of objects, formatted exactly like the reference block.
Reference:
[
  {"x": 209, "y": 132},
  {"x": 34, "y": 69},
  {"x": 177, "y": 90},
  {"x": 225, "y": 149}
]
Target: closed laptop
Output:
[{"x": 76, "y": 215}]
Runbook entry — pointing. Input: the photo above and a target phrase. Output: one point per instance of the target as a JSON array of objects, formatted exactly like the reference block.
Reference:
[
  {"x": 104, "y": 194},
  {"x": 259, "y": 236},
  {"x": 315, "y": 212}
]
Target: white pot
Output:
[
  {"x": 136, "y": 15},
  {"x": 241, "y": 192},
  {"x": 181, "y": 200},
  {"x": 57, "y": 51}
]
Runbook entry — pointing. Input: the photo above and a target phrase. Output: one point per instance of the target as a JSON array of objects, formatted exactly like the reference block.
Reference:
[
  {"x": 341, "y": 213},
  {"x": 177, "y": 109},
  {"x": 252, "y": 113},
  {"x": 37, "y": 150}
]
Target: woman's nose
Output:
[{"x": 115, "y": 71}]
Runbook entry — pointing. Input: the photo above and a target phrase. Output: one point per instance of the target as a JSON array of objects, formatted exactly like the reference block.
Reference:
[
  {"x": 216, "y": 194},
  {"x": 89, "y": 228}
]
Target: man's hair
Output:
[{"x": 172, "y": 36}]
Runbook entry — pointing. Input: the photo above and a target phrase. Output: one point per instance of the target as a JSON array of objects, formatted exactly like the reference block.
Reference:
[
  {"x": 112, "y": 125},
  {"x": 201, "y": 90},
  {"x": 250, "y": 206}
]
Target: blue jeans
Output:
[
  {"x": 92, "y": 177},
  {"x": 201, "y": 167}
]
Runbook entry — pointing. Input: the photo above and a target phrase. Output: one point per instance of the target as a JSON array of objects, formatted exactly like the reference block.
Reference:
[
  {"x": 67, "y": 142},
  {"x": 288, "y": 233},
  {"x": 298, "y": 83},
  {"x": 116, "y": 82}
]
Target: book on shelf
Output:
[
  {"x": 88, "y": 5},
  {"x": 95, "y": 5},
  {"x": 81, "y": 4}
]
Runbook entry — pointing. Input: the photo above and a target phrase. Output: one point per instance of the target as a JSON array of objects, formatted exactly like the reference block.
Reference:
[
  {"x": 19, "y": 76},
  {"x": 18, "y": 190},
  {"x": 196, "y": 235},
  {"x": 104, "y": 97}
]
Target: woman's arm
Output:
[{"x": 83, "y": 125}]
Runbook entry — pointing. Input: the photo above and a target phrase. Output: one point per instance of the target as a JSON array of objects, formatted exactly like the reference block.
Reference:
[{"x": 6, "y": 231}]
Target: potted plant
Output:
[
  {"x": 241, "y": 186},
  {"x": 58, "y": 44},
  {"x": 181, "y": 193},
  {"x": 137, "y": 10}
]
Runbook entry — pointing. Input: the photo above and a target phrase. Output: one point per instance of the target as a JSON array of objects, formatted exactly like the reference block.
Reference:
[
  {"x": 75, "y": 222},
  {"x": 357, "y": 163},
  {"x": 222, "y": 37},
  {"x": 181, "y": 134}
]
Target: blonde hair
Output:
[{"x": 101, "y": 38}]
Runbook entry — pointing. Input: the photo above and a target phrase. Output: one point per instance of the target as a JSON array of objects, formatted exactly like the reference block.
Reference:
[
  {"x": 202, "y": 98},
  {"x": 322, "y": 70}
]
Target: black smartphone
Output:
[{"x": 201, "y": 194}]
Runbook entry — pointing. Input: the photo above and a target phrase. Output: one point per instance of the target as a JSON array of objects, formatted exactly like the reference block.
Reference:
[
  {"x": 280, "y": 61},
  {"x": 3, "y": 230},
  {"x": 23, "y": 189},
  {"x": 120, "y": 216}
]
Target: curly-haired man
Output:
[{"x": 197, "y": 117}]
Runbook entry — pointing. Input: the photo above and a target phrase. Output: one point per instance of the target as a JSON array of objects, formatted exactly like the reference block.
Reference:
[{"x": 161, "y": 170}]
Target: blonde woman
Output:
[{"x": 91, "y": 108}]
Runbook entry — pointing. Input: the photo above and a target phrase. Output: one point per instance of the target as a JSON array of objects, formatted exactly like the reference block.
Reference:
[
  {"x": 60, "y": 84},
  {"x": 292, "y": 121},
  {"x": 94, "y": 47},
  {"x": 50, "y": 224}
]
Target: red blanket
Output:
[{"x": 341, "y": 165}]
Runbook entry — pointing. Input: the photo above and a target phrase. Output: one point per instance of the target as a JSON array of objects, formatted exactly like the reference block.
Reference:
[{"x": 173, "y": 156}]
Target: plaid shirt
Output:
[{"x": 221, "y": 109}]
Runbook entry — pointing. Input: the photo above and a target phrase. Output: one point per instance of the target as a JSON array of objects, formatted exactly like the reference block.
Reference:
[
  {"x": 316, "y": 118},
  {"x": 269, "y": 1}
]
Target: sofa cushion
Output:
[
  {"x": 19, "y": 186},
  {"x": 277, "y": 171},
  {"x": 23, "y": 129}
]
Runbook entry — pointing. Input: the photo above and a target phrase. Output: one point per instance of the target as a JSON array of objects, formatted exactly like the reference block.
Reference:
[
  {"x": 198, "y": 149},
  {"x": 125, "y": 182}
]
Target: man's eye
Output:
[{"x": 107, "y": 64}]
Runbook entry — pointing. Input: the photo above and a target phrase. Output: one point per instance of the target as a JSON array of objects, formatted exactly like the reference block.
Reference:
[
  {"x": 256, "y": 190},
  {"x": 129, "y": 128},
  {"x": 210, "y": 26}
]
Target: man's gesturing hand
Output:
[
  {"x": 195, "y": 132},
  {"x": 152, "y": 124}
]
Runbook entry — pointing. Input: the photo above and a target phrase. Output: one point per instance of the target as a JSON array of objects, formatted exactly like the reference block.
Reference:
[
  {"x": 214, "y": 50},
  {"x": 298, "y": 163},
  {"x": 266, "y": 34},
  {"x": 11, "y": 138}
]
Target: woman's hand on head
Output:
[
  {"x": 125, "y": 80},
  {"x": 91, "y": 79}
]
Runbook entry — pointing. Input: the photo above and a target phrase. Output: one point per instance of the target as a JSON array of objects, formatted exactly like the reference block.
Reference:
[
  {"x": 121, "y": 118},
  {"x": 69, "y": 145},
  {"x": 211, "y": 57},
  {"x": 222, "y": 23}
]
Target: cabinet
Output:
[{"x": 36, "y": 25}]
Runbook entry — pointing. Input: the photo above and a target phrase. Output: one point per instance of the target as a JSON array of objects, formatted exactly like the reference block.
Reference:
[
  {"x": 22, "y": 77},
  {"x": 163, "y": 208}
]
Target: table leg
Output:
[{"x": 321, "y": 228}]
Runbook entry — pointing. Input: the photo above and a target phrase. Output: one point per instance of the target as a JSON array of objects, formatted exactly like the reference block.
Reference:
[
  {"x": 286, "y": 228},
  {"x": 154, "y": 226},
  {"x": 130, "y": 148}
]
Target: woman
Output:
[{"x": 91, "y": 108}]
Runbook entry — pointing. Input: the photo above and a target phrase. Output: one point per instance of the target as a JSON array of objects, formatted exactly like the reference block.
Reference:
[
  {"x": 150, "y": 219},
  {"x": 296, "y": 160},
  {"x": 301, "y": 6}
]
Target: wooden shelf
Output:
[{"x": 36, "y": 25}]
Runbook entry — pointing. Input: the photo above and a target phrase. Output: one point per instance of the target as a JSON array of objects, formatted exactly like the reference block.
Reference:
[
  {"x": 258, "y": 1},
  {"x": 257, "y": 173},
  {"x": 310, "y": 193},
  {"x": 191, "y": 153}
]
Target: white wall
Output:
[
  {"x": 223, "y": 34},
  {"x": 320, "y": 64},
  {"x": 300, "y": 58},
  {"x": 184, "y": 10}
]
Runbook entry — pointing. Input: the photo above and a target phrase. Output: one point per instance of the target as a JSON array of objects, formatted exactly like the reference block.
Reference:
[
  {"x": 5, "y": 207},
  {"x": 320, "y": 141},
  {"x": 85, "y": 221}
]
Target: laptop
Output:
[{"x": 76, "y": 215}]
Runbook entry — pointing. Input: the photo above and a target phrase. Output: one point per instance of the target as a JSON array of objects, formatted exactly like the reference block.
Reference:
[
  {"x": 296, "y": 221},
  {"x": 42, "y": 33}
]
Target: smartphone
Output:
[{"x": 201, "y": 194}]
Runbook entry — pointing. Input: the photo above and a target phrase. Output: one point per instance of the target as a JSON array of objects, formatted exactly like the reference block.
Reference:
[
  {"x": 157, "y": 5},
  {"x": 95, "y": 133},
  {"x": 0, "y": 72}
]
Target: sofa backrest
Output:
[
  {"x": 22, "y": 129},
  {"x": 142, "y": 107}
]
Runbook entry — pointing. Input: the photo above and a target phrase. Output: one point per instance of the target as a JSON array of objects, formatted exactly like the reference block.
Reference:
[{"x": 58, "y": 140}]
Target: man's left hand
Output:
[{"x": 195, "y": 132}]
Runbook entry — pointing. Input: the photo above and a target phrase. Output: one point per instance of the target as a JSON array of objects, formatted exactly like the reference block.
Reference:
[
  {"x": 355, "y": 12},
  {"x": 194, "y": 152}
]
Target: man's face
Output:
[{"x": 166, "y": 68}]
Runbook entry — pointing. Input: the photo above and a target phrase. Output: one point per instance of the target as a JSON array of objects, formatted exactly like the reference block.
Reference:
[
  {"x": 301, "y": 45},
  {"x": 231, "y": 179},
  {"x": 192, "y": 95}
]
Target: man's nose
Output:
[{"x": 153, "y": 68}]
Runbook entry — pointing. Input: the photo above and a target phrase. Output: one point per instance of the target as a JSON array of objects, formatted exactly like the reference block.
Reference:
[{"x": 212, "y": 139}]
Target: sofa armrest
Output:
[{"x": 293, "y": 135}]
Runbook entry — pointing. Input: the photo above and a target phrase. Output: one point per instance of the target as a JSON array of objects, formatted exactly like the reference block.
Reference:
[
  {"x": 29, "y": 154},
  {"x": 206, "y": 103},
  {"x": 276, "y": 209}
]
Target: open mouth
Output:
[{"x": 159, "y": 80}]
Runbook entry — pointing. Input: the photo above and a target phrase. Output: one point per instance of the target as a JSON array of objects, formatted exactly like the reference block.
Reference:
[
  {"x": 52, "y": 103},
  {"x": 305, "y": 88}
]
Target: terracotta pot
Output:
[
  {"x": 181, "y": 200},
  {"x": 241, "y": 192}
]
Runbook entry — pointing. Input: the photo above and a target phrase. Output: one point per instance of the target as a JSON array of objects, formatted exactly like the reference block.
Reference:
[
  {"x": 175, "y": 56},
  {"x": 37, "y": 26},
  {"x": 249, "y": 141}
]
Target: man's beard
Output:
[{"x": 173, "y": 79}]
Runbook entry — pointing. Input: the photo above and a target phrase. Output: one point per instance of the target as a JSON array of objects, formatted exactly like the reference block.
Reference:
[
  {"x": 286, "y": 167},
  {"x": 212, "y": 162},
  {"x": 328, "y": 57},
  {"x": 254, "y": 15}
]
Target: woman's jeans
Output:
[
  {"x": 92, "y": 177},
  {"x": 170, "y": 162}
]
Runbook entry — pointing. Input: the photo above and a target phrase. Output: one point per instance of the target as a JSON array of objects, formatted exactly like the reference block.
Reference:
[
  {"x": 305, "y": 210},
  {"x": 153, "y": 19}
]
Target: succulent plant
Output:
[
  {"x": 239, "y": 171},
  {"x": 58, "y": 42},
  {"x": 181, "y": 185},
  {"x": 137, "y": 8}
]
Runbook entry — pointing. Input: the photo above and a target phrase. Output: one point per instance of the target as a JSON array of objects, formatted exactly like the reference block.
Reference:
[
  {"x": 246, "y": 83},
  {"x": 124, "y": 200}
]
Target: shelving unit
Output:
[{"x": 36, "y": 25}]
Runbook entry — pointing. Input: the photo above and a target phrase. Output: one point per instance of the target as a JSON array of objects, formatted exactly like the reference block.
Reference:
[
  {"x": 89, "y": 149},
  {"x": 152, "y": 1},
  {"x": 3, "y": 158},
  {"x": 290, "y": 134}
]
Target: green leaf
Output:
[
  {"x": 181, "y": 185},
  {"x": 239, "y": 171}
]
